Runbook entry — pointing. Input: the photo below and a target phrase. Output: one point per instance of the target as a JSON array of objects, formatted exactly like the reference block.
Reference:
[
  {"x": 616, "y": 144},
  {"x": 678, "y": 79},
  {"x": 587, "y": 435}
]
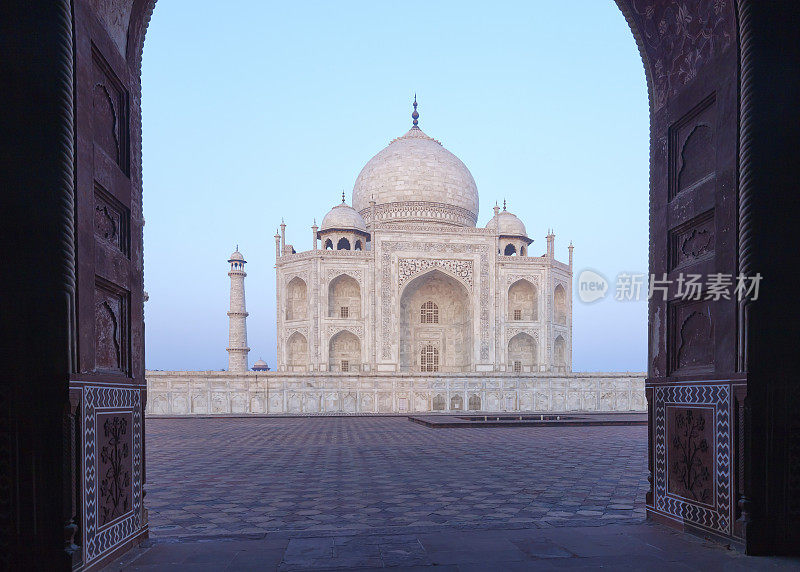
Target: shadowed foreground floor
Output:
[
  {"x": 348, "y": 474},
  {"x": 372, "y": 492}
]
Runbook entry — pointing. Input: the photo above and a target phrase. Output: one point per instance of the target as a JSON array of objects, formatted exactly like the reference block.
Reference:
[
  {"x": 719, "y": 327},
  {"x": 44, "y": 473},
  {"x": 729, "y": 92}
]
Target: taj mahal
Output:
[
  {"x": 404, "y": 281},
  {"x": 402, "y": 303}
]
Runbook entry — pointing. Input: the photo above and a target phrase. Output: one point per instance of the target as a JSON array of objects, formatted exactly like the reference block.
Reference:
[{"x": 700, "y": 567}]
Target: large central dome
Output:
[{"x": 416, "y": 179}]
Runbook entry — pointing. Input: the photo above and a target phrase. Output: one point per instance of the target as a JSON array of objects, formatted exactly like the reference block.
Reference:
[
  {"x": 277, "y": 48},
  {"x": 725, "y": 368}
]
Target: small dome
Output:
[
  {"x": 236, "y": 255},
  {"x": 260, "y": 365},
  {"x": 343, "y": 217},
  {"x": 508, "y": 224}
]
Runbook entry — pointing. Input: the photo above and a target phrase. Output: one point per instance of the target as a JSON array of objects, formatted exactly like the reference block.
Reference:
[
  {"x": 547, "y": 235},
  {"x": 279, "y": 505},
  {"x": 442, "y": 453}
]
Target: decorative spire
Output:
[
  {"x": 342, "y": 196},
  {"x": 504, "y": 204},
  {"x": 415, "y": 115}
]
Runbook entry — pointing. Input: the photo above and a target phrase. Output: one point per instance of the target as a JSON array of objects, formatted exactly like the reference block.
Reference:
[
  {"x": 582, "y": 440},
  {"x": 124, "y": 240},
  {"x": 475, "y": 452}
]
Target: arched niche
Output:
[
  {"x": 435, "y": 293},
  {"x": 343, "y": 244},
  {"x": 344, "y": 352},
  {"x": 297, "y": 352},
  {"x": 560, "y": 354},
  {"x": 560, "y": 305},
  {"x": 344, "y": 297},
  {"x": 522, "y": 302},
  {"x": 474, "y": 402},
  {"x": 296, "y": 299},
  {"x": 522, "y": 350}
]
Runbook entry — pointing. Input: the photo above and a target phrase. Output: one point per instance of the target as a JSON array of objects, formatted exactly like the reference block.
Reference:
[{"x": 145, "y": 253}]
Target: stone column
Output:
[{"x": 237, "y": 316}]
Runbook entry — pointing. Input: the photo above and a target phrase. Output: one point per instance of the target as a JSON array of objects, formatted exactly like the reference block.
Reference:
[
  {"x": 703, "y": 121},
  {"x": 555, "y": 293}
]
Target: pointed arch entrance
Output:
[
  {"x": 435, "y": 324},
  {"x": 707, "y": 63}
]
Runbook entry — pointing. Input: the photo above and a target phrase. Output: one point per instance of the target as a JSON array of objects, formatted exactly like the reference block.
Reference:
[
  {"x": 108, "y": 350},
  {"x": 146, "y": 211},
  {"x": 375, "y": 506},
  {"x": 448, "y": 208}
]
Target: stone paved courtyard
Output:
[{"x": 239, "y": 476}]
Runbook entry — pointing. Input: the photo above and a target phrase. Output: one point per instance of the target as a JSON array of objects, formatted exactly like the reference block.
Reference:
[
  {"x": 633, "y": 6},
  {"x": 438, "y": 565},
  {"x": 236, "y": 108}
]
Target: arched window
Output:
[
  {"x": 358, "y": 245},
  {"x": 560, "y": 354},
  {"x": 523, "y": 251},
  {"x": 296, "y": 301},
  {"x": 510, "y": 250},
  {"x": 329, "y": 244},
  {"x": 438, "y": 402},
  {"x": 522, "y": 301},
  {"x": 429, "y": 358},
  {"x": 429, "y": 313},
  {"x": 456, "y": 403},
  {"x": 475, "y": 402},
  {"x": 560, "y": 299},
  {"x": 343, "y": 244}
]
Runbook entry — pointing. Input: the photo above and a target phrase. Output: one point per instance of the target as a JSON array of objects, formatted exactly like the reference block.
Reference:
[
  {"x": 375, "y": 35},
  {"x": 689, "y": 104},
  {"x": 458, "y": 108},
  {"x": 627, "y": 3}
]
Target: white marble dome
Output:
[
  {"x": 416, "y": 179},
  {"x": 236, "y": 255},
  {"x": 343, "y": 217},
  {"x": 508, "y": 224}
]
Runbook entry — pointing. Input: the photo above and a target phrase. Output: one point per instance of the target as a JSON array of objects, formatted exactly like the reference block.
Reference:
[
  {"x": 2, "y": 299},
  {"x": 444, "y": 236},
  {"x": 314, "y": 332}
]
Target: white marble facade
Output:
[
  {"x": 272, "y": 393},
  {"x": 404, "y": 281}
]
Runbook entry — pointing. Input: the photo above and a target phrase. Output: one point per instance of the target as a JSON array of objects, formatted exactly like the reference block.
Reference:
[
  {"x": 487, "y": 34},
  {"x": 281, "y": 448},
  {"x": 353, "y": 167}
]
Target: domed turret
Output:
[
  {"x": 343, "y": 217},
  {"x": 513, "y": 236},
  {"x": 416, "y": 179},
  {"x": 508, "y": 224},
  {"x": 260, "y": 365},
  {"x": 343, "y": 229}
]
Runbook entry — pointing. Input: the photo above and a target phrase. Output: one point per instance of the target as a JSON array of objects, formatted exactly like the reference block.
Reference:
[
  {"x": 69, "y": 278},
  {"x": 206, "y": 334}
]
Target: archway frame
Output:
[{"x": 58, "y": 259}]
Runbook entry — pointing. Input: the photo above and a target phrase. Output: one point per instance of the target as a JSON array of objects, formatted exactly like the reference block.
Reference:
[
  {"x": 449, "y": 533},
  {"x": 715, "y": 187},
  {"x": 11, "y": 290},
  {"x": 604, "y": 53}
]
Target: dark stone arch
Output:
[{"x": 684, "y": 59}]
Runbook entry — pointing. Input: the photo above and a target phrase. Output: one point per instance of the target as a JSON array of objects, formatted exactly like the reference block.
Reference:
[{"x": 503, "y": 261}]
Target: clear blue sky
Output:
[{"x": 255, "y": 111}]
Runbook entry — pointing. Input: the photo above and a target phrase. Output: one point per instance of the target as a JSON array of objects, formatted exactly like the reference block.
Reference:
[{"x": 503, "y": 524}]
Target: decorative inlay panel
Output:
[
  {"x": 513, "y": 331},
  {"x": 114, "y": 465},
  {"x": 681, "y": 37},
  {"x": 692, "y": 241},
  {"x": 532, "y": 278},
  {"x": 692, "y": 443},
  {"x": 358, "y": 331},
  {"x": 112, "y": 442},
  {"x": 111, "y": 221},
  {"x": 303, "y": 330},
  {"x": 421, "y": 211},
  {"x": 410, "y": 267},
  {"x": 353, "y": 273}
]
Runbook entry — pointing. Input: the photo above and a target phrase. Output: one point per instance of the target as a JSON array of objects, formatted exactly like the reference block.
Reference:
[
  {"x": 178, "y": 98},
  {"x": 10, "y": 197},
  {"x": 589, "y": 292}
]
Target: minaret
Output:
[
  {"x": 571, "y": 248},
  {"x": 237, "y": 316}
]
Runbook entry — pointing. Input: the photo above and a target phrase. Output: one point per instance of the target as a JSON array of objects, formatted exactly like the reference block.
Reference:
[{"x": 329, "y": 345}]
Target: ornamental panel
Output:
[{"x": 692, "y": 448}]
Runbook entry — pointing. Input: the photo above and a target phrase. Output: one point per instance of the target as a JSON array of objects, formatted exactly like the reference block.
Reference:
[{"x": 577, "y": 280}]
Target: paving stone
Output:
[{"x": 283, "y": 474}]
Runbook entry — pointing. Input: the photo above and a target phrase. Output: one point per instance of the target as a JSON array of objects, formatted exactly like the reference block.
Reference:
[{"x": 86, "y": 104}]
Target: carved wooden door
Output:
[
  {"x": 694, "y": 386},
  {"x": 107, "y": 388}
]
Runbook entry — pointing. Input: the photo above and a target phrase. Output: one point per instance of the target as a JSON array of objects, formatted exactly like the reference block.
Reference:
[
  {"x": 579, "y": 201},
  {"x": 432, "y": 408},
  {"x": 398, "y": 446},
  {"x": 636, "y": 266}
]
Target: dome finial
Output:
[
  {"x": 504, "y": 204},
  {"x": 342, "y": 197},
  {"x": 415, "y": 114}
]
